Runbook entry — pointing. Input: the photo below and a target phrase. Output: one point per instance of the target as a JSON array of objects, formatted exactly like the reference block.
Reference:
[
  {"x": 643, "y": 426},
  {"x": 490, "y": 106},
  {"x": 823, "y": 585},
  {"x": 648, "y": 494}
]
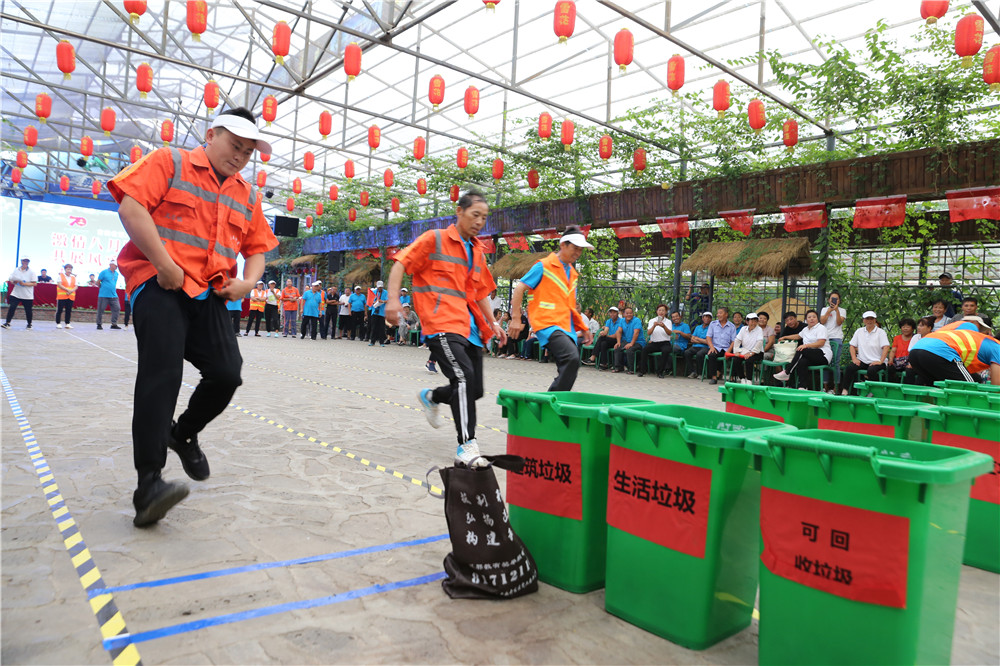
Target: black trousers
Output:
[
  {"x": 377, "y": 329},
  {"x": 64, "y": 305},
  {"x": 310, "y": 326},
  {"x": 851, "y": 373},
  {"x": 234, "y": 315},
  {"x": 604, "y": 344},
  {"x": 357, "y": 324},
  {"x": 693, "y": 359},
  {"x": 743, "y": 368},
  {"x": 663, "y": 346},
  {"x": 462, "y": 363},
  {"x": 344, "y": 324},
  {"x": 799, "y": 367},
  {"x": 254, "y": 320},
  {"x": 329, "y": 323},
  {"x": 271, "y": 319},
  {"x": 567, "y": 356},
  {"x": 713, "y": 361},
  {"x": 127, "y": 312},
  {"x": 171, "y": 327},
  {"x": 928, "y": 368},
  {"x": 13, "y": 302}
]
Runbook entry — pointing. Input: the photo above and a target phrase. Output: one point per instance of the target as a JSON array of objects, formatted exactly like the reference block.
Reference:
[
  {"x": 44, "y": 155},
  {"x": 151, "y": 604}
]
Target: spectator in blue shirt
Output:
[
  {"x": 235, "y": 309},
  {"x": 700, "y": 302},
  {"x": 607, "y": 338},
  {"x": 681, "y": 336},
  {"x": 721, "y": 334},
  {"x": 357, "y": 301},
  {"x": 311, "y": 300},
  {"x": 404, "y": 297},
  {"x": 630, "y": 342},
  {"x": 694, "y": 354},
  {"x": 377, "y": 315},
  {"x": 108, "y": 295}
]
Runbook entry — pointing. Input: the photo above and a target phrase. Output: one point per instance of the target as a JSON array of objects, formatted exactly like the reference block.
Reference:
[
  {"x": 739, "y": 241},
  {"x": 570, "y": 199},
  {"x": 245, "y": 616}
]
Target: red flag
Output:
[
  {"x": 360, "y": 254},
  {"x": 880, "y": 212},
  {"x": 675, "y": 226},
  {"x": 375, "y": 252},
  {"x": 739, "y": 220},
  {"x": 489, "y": 247},
  {"x": 586, "y": 230},
  {"x": 391, "y": 252},
  {"x": 977, "y": 203},
  {"x": 549, "y": 234},
  {"x": 516, "y": 241},
  {"x": 627, "y": 229},
  {"x": 805, "y": 216}
]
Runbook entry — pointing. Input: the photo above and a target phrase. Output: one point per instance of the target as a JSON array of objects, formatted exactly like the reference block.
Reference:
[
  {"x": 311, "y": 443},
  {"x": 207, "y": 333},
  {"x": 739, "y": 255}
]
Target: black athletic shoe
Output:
[
  {"x": 100, "y": 328},
  {"x": 115, "y": 327},
  {"x": 153, "y": 499},
  {"x": 194, "y": 461}
]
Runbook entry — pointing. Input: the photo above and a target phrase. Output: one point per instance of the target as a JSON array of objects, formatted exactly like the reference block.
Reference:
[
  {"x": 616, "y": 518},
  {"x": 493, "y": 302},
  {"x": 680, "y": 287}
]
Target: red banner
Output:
[
  {"x": 86, "y": 297},
  {"x": 978, "y": 203},
  {"x": 987, "y": 486},
  {"x": 805, "y": 216},
  {"x": 739, "y": 220},
  {"x": 586, "y": 230},
  {"x": 516, "y": 241},
  {"x": 360, "y": 254},
  {"x": 675, "y": 226},
  {"x": 659, "y": 500},
  {"x": 627, "y": 229},
  {"x": 391, "y": 252},
  {"x": 733, "y": 408},
  {"x": 375, "y": 252},
  {"x": 489, "y": 246},
  {"x": 550, "y": 481},
  {"x": 852, "y": 553},
  {"x": 549, "y": 234},
  {"x": 880, "y": 212}
]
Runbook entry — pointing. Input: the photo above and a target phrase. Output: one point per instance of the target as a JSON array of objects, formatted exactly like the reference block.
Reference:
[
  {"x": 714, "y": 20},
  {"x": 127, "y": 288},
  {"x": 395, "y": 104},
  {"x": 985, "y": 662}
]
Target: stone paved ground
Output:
[{"x": 276, "y": 495}]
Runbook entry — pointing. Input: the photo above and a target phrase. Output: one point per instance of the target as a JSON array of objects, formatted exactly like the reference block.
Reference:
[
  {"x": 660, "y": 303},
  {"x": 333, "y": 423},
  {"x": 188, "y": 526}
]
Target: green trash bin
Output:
[
  {"x": 682, "y": 517},
  {"x": 977, "y": 430},
  {"x": 862, "y": 547},
  {"x": 967, "y": 386},
  {"x": 894, "y": 391},
  {"x": 982, "y": 400},
  {"x": 873, "y": 416},
  {"x": 775, "y": 403},
  {"x": 558, "y": 502}
]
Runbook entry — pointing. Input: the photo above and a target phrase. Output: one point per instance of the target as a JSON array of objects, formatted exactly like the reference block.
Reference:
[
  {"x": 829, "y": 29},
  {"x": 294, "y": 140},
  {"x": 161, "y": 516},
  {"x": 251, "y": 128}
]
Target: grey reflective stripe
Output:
[
  {"x": 439, "y": 290},
  {"x": 184, "y": 237},
  {"x": 225, "y": 251},
  {"x": 175, "y": 155},
  {"x": 439, "y": 255},
  {"x": 178, "y": 183}
]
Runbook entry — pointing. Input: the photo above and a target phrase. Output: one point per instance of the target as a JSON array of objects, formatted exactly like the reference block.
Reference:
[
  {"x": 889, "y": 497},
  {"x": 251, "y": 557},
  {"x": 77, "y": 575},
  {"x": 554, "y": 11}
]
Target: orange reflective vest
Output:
[
  {"x": 553, "y": 301},
  {"x": 257, "y": 305},
  {"x": 63, "y": 287},
  {"x": 445, "y": 289},
  {"x": 965, "y": 343},
  {"x": 292, "y": 295}
]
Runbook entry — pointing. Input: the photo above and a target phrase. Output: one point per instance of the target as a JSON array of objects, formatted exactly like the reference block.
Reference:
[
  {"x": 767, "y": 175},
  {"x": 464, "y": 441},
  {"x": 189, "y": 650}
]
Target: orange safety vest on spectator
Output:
[
  {"x": 553, "y": 301},
  {"x": 444, "y": 289},
  {"x": 966, "y": 343},
  {"x": 63, "y": 287},
  {"x": 257, "y": 305},
  {"x": 290, "y": 292},
  {"x": 203, "y": 225}
]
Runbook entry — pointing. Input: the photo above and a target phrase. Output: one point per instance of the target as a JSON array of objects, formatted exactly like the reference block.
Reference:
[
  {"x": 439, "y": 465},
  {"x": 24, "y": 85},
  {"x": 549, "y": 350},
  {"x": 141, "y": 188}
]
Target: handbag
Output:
[{"x": 784, "y": 351}]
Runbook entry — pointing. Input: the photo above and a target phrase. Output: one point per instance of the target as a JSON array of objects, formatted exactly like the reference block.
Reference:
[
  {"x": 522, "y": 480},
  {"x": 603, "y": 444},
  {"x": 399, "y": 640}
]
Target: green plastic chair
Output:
[{"x": 767, "y": 363}]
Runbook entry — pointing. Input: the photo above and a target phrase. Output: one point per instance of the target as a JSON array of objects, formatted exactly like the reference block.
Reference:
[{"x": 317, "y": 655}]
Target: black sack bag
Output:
[{"x": 487, "y": 560}]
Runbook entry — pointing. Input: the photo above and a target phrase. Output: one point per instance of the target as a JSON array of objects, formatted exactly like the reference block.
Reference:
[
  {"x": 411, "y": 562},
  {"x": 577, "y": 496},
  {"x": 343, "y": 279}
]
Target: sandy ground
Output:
[{"x": 278, "y": 492}]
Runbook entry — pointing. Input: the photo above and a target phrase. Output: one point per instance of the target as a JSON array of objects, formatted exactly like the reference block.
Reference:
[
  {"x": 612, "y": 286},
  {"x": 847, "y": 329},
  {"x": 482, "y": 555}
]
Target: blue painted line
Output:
[
  {"x": 173, "y": 630},
  {"x": 271, "y": 565}
]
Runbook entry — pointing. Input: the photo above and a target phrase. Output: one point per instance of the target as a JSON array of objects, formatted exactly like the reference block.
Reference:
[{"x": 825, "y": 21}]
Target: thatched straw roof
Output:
[
  {"x": 365, "y": 270},
  {"x": 304, "y": 259},
  {"x": 756, "y": 258},
  {"x": 277, "y": 262},
  {"x": 514, "y": 265}
]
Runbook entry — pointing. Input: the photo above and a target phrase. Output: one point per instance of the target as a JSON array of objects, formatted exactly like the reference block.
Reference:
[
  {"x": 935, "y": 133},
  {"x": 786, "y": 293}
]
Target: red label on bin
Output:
[
  {"x": 733, "y": 408},
  {"x": 986, "y": 487},
  {"x": 550, "y": 481},
  {"x": 853, "y": 553},
  {"x": 858, "y": 428},
  {"x": 659, "y": 500}
]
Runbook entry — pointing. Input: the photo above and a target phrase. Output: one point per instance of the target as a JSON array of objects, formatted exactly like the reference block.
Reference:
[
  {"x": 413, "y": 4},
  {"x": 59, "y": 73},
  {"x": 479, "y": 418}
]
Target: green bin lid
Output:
[
  {"x": 564, "y": 403},
  {"x": 893, "y": 387},
  {"x": 957, "y": 385},
  {"x": 695, "y": 425},
  {"x": 773, "y": 393},
  {"x": 881, "y": 406}
]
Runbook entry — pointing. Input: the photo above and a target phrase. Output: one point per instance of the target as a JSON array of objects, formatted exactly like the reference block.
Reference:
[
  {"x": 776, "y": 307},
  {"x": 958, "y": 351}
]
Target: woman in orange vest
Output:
[
  {"x": 290, "y": 297},
  {"x": 65, "y": 294},
  {"x": 258, "y": 297},
  {"x": 451, "y": 289},
  {"x": 957, "y": 351},
  {"x": 552, "y": 308}
]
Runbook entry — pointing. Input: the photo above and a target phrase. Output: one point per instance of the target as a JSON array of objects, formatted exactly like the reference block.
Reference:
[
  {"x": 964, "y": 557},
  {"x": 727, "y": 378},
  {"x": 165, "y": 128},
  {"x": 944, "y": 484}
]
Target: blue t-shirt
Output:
[
  {"x": 989, "y": 351},
  {"x": 681, "y": 343},
  {"x": 613, "y": 326},
  {"x": 405, "y": 299},
  {"x": 700, "y": 331},
  {"x": 380, "y": 295},
  {"x": 109, "y": 283},
  {"x": 310, "y": 303},
  {"x": 357, "y": 302},
  {"x": 235, "y": 306},
  {"x": 533, "y": 278},
  {"x": 722, "y": 336},
  {"x": 629, "y": 328}
]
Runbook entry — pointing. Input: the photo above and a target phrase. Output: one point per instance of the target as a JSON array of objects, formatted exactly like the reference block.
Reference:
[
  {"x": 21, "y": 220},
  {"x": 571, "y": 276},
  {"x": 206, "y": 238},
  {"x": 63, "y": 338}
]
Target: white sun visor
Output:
[{"x": 243, "y": 128}]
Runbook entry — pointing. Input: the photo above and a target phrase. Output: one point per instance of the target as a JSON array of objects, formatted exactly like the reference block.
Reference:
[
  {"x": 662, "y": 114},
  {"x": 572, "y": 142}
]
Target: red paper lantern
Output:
[
  {"x": 22, "y": 159},
  {"x": 991, "y": 68},
  {"x": 43, "y": 106},
  {"x": 290, "y": 204},
  {"x": 309, "y": 221},
  {"x": 352, "y": 60},
  {"x": 462, "y": 158},
  {"x": 197, "y": 18},
  {"x": 968, "y": 38},
  {"x": 605, "y": 146},
  {"x": 167, "y": 132},
  {"x": 374, "y": 137},
  {"x": 64, "y": 183},
  {"x": 211, "y": 96},
  {"x": 421, "y": 186},
  {"x": 308, "y": 161},
  {"x": 15, "y": 176},
  {"x": 675, "y": 73},
  {"x": 639, "y": 159},
  {"x": 265, "y": 157},
  {"x": 269, "y": 110},
  {"x": 349, "y": 169},
  {"x": 491, "y": 4},
  {"x": 363, "y": 198},
  {"x": 544, "y": 126},
  {"x": 564, "y": 19},
  {"x": 319, "y": 208},
  {"x": 281, "y": 39},
  {"x": 95, "y": 188},
  {"x": 624, "y": 46},
  {"x": 497, "y": 170},
  {"x": 790, "y": 133},
  {"x": 86, "y": 146},
  {"x": 472, "y": 101},
  {"x": 533, "y": 179},
  {"x": 261, "y": 178},
  {"x": 325, "y": 124},
  {"x": 395, "y": 205},
  {"x": 297, "y": 186},
  {"x": 419, "y": 148},
  {"x": 30, "y": 136},
  {"x": 135, "y": 154},
  {"x": 352, "y": 214},
  {"x": 932, "y": 10},
  {"x": 756, "y": 115},
  {"x": 388, "y": 178},
  {"x": 453, "y": 193},
  {"x": 720, "y": 97},
  {"x": 143, "y": 79},
  {"x": 436, "y": 90},
  {"x": 65, "y": 58},
  {"x": 566, "y": 133},
  {"x": 108, "y": 119},
  {"x": 135, "y": 9},
  {"x": 334, "y": 193}
]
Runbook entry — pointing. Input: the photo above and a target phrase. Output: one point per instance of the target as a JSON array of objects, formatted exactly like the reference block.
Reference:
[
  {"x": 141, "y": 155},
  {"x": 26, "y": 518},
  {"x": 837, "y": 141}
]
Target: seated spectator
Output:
[
  {"x": 408, "y": 321},
  {"x": 748, "y": 349},
  {"x": 764, "y": 321},
  {"x": 970, "y": 308},
  {"x": 630, "y": 342},
  {"x": 695, "y": 354},
  {"x": 793, "y": 327},
  {"x": 658, "y": 331},
  {"x": 738, "y": 321},
  {"x": 606, "y": 338},
  {"x": 814, "y": 349},
  {"x": 901, "y": 348},
  {"x": 681, "y": 338},
  {"x": 528, "y": 348},
  {"x": 925, "y": 325},
  {"x": 869, "y": 349},
  {"x": 720, "y": 335},
  {"x": 938, "y": 311},
  {"x": 513, "y": 343}
]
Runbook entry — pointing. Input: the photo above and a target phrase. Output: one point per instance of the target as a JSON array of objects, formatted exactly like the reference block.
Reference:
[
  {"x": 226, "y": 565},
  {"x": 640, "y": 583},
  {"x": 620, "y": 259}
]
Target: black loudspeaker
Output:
[
  {"x": 286, "y": 226},
  {"x": 333, "y": 261}
]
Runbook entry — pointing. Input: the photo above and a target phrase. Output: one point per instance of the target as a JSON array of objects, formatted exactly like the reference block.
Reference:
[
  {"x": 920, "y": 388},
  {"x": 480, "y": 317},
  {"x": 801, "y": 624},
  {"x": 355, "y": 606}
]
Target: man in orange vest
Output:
[
  {"x": 552, "y": 307},
  {"x": 957, "y": 351},
  {"x": 451, "y": 288},
  {"x": 258, "y": 297},
  {"x": 188, "y": 215},
  {"x": 290, "y": 297},
  {"x": 65, "y": 294}
]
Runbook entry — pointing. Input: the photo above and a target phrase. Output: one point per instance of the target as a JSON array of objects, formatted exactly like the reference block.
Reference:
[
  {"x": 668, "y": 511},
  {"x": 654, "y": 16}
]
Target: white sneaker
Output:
[
  {"x": 782, "y": 376},
  {"x": 468, "y": 454},
  {"x": 68, "y": 326},
  {"x": 430, "y": 408},
  {"x": 59, "y": 325}
]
